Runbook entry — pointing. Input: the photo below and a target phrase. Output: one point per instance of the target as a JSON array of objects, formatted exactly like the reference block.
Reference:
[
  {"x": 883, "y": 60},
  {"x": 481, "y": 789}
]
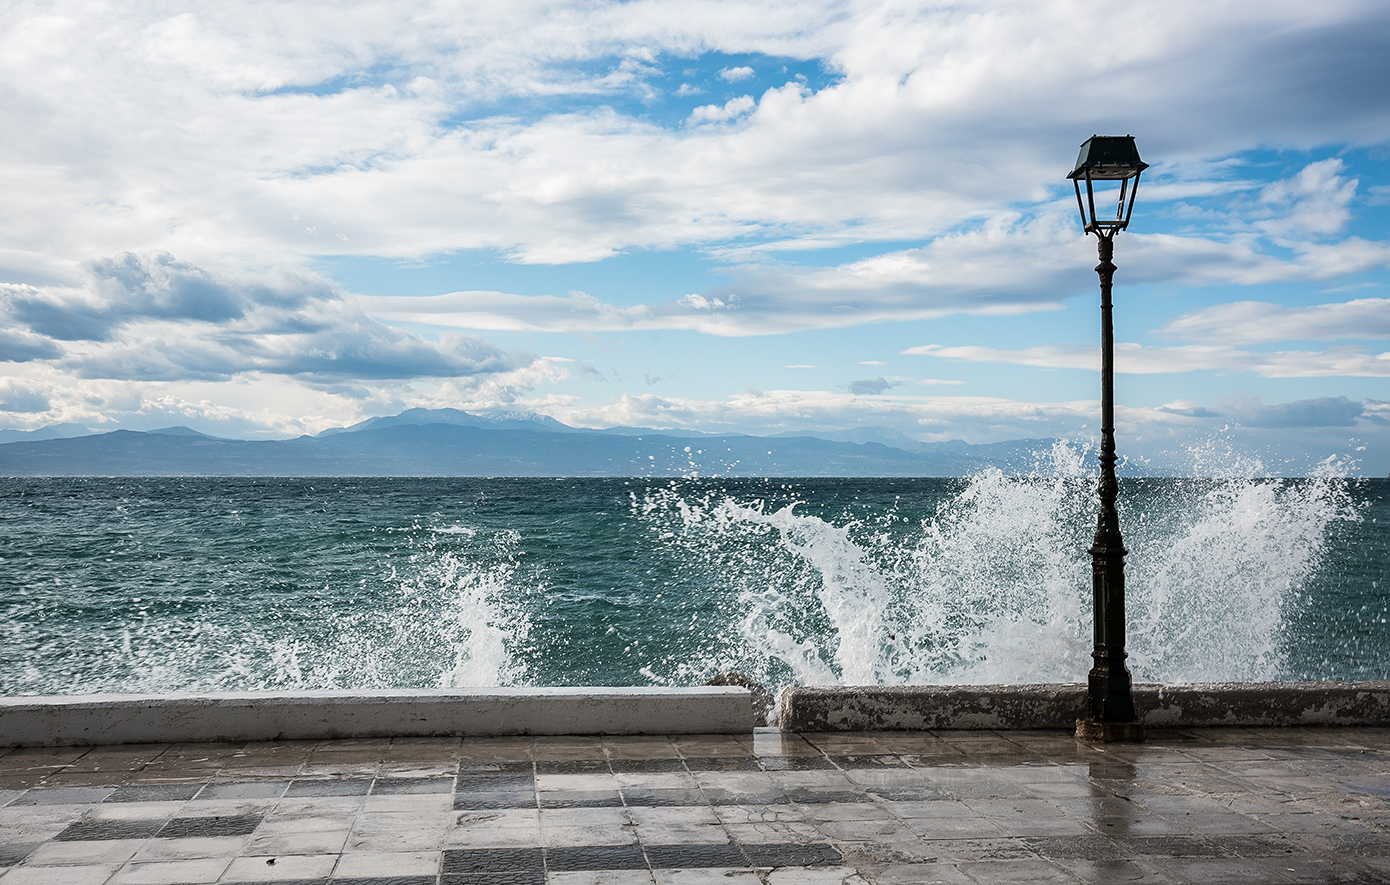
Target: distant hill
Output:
[
  {"x": 53, "y": 431},
  {"x": 449, "y": 442}
]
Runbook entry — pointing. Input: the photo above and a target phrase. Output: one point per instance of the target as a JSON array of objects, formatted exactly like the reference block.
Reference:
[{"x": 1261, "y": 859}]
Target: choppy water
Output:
[{"x": 175, "y": 584}]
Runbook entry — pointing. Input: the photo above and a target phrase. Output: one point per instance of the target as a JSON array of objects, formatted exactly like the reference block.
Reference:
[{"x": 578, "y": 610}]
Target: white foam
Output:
[{"x": 995, "y": 586}]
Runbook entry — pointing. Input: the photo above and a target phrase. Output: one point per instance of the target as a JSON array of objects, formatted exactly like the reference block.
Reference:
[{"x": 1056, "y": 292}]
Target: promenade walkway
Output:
[{"x": 1208, "y": 806}]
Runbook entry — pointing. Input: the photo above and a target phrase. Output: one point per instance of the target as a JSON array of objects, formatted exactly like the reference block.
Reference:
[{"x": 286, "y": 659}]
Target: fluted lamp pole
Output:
[{"x": 1113, "y": 161}]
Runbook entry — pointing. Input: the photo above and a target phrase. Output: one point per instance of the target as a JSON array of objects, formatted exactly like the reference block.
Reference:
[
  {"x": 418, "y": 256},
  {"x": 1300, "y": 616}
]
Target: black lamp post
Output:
[{"x": 1111, "y": 715}]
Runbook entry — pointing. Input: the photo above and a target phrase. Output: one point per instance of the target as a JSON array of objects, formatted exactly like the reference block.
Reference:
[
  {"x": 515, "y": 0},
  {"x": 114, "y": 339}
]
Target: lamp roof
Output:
[{"x": 1108, "y": 157}]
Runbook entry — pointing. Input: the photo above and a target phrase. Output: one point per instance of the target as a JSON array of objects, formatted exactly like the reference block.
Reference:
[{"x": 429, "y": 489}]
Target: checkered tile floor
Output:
[{"x": 1277, "y": 806}]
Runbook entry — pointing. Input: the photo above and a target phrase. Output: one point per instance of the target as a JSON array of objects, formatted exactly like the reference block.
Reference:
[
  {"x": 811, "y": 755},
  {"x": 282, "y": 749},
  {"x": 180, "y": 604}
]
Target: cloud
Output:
[
  {"x": 154, "y": 317},
  {"x": 1137, "y": 359},
  {"x": 1316, "y": 201},
  {"x": 19, "y": 397},
  {"x": 1188, "y": 409},
  {"x": 22, "y": 346},
  {"x": 400, "y": 131},
  {"x": 871, "y": 386},
  {"x": 1323, "y": 411},
  {"x": 733, "y": 75},
  {"x": 713, "y": 113},
  {"x": 1009, "y": 264},
  {"x": 1254, "y": 322}
]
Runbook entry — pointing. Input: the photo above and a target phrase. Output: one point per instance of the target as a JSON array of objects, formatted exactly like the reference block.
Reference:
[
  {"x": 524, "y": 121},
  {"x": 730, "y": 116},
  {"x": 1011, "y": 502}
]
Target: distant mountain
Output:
[
  {"x": 179, "y": 430},
  {"x": 53, "y": 431},
  {"x": 459, "y": 418},
  {"x": 448, "y": 442}
]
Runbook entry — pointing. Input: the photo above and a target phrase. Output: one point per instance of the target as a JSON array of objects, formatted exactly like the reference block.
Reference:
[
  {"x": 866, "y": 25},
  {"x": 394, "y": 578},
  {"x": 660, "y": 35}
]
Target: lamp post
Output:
[{"x": 1110, "y": 715}]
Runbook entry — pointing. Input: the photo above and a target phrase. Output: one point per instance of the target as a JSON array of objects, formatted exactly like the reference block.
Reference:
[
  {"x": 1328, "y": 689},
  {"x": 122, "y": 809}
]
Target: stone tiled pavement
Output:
[{"x": 1210, "y": 806}]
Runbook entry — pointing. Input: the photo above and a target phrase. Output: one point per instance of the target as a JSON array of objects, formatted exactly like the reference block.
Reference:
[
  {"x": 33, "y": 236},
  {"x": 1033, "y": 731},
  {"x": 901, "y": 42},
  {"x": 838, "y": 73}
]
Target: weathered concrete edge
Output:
[
  {"x": 76, "y": 720},
  {"x": 1232, "y": 704}
]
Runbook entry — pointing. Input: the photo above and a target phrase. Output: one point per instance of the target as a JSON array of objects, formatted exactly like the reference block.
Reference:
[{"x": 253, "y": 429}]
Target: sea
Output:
[{"x": 228, "y": 584}]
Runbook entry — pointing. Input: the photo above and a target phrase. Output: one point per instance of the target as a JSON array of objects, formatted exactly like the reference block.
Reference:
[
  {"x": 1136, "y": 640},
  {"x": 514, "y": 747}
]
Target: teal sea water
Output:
[{"x": 112, "y": 585}]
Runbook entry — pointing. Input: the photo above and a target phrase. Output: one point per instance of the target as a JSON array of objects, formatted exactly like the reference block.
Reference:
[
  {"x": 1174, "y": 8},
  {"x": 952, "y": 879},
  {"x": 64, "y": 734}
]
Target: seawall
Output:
[{"x": 1199, "y": 705}]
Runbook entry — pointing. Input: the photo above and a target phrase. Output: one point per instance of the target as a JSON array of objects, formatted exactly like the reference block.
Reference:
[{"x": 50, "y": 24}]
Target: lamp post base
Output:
[{"x": 1097, "y": 732}]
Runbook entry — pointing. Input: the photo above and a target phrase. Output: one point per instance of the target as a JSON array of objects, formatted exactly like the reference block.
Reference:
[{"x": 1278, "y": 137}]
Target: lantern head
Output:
[{"x": 1107, "y": 158}]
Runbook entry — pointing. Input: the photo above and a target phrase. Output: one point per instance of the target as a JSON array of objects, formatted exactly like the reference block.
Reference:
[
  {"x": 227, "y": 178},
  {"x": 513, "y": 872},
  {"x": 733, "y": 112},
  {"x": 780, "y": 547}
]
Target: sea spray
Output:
[
  {"x": 994, "y": 585},
  {"x": 230, "y": 584}
]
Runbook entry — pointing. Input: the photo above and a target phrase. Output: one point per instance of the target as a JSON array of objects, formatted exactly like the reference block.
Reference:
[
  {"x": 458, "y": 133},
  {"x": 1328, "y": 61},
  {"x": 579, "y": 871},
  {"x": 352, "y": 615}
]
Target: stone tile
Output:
[
  {"x": 180, "y": 849},
  {"x": 400, "y": 831},
  {"x": 605, "y": 877},
  {"x": 922, "y": 874},
  {"x": 722, "y": 763},
  {"x": 879, "y": 831},
  {"x": 712, "y": 745},
  {"x": 688, "y": 856},
  {"x": 365, "y": 865},
  {"x": 280, "y": 868},
  {"x": 795, "y": 763},
  {"x": 474, "y": 767},
  {"x": 574, "y": 782},
  {"x": 1076, "y": 848},
  {"x": 803, "y": 876},
  {"x": 1226, "y": 871},
  {"x": 315, "y": 842},
  {"x": 772, "y": 742},
  {"x": 595, "y": 857},
  {"x": 580, "y": 799},
  {"x": 573, "y": 766},
  {"x": 790, "y": 854},
  {"x": 343, "y": 787},
  {"x": 656, "y": 780},
  {"x": 171, "y": 872},
  {"x": 14, "y": 853},
  {"x": 838, "y": 811},
  {"x": 693, "y": 825},
  {"x": 155, "y": 792},
  {"x": 194, "y": 827},
  {"x": 647, "y": 765},
  {"x": 322, "y": 806},
  {"x": 772, "y": 832},
  {"x": 1027, "y": 871},
  {"x": 92, "y": 831},
  {"x": 639, "y": 748},
  {"x": 961, "y": 825},
  {"x": 506, "y": 828},
  {"x": 112, "y": 851},
  {"x": 593, "y": 835},
  {"x": 483, "y": 801},
  {"x": 415, "y": 803},
  {"x": 286, "y": 820},
  {"x": 659, "y": 798},
  {"x": 86, "y": 874},
  {"x": 37, "y": 828},
  {"x": 958, "y": 851},
  {"x": 387, "y": 786},
  {"x": 1167, "y": 846},
  {"x": 492, "y": 860},
  {"x": 63, "y": 796},
  {"x": 1106, "y": 872},
  {"x": 243, "y": 790},
  {"x": 135, "y": 811}
]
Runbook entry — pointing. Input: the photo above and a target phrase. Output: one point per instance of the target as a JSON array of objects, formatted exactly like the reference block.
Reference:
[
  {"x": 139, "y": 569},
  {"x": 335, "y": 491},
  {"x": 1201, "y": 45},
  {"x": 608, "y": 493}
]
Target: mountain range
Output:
[{"x": 450, "y": 442}]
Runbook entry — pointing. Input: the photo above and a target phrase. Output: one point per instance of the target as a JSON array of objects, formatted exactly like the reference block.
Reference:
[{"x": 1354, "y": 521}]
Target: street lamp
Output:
[{"x": 1111, "y": 715}]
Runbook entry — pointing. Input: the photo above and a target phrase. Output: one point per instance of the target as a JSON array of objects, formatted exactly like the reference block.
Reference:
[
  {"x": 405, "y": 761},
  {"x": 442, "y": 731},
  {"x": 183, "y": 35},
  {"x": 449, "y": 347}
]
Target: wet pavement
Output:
[{"x": 1205, "y": 806}]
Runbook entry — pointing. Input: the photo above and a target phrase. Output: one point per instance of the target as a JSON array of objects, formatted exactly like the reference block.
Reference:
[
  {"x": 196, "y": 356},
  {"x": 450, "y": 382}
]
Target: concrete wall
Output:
[
  {"x": 875, "y": 707},
  {"x": 252, "y": 716}
]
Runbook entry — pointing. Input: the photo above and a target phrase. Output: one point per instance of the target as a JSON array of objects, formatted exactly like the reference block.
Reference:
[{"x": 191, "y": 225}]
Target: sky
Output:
[{"x": 265, "y": 219}]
